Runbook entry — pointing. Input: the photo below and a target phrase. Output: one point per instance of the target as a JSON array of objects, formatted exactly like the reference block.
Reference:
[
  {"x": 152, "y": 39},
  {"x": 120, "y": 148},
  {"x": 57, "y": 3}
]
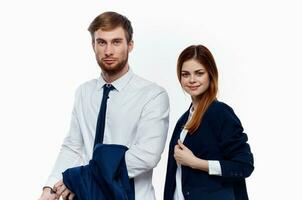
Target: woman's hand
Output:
[{"x": 184, "y": 156}]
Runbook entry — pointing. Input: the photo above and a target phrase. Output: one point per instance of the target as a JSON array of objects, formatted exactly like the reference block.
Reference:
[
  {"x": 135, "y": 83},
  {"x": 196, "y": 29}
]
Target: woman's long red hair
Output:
[{"x": 202, "y": 55}]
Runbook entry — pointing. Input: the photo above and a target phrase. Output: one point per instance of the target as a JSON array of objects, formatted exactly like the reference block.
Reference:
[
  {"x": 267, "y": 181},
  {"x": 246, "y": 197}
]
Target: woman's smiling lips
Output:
[{"x": 193, "y": 87}]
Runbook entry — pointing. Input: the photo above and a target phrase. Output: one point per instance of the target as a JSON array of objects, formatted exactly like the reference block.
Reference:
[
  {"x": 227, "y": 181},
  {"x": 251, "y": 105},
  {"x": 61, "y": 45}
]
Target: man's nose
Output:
[{"x": 109, "y": 50}]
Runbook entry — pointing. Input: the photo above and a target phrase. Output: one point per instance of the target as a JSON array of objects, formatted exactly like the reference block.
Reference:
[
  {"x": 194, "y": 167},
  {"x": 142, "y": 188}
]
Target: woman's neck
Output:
[{"x": 195, "y": 101}]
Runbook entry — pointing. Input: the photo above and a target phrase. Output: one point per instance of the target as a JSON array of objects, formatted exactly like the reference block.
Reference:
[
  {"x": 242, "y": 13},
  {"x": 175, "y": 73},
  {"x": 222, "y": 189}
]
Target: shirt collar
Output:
[
  {"x": 191, "y": 112},
  {"x": 118, "y": 84}
]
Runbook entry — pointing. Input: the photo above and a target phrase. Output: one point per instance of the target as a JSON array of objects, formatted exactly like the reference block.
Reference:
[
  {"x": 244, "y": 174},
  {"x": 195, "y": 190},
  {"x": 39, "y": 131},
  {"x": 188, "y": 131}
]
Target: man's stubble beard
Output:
[{"x": 113, "y": 70}]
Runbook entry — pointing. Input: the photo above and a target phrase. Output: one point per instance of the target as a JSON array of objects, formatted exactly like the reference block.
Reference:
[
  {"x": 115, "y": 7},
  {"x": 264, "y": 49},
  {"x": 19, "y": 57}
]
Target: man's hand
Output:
[
  {"x": 47, "y": 194},
  {"x": 61, "y": 190}
]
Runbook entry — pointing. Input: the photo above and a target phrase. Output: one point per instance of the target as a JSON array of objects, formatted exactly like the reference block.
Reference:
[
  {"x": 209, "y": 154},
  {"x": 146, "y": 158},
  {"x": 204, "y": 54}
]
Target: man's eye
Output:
[
  {"x": 116, "y": 42},
  {"x": 100, "y": 42}
]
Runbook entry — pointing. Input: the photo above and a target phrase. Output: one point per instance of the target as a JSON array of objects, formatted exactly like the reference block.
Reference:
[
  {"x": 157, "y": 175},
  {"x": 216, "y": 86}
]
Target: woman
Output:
[{"x": 209, "y": 157}]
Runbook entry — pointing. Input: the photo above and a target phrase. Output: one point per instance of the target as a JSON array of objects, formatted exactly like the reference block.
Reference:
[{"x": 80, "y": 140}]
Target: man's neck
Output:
[{"x": 109, "y": 78}]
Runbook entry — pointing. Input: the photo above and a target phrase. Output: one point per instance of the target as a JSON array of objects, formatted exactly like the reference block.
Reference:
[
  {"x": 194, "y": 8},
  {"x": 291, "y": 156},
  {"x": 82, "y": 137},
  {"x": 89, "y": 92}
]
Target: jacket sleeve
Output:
[
  {"x": 150, "y": 141},
  {"x": 237, "y": 159}
]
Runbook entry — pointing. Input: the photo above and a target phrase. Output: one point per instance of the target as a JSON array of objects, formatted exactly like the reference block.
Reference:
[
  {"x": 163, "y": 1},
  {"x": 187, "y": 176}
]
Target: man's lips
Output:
[{"x": 109, "y": 61}]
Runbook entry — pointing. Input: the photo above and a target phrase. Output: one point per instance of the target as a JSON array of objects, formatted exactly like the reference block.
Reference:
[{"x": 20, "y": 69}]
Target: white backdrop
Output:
[{"x": 46, "y": 54}]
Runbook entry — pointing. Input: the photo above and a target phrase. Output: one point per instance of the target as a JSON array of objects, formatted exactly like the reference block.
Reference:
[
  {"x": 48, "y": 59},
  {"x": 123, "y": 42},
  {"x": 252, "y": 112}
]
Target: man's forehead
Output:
[{"x": 117, "y": 33}]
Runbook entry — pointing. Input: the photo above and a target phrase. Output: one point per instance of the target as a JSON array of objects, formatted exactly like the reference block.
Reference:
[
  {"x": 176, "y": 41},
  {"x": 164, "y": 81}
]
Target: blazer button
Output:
[{"x": 187, "y": 193}]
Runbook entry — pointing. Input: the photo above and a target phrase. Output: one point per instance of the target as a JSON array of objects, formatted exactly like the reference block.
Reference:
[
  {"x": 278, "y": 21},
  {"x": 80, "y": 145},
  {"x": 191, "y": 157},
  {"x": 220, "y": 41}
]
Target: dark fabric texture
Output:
[
  {"x": 219, "y": 137},
  {"x": 100, "y": 127},
  {"x": 104, "y": 178}
]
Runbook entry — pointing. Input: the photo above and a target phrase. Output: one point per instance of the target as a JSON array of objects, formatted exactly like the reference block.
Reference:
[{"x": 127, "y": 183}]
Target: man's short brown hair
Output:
[{"x": 108, "y": 21}]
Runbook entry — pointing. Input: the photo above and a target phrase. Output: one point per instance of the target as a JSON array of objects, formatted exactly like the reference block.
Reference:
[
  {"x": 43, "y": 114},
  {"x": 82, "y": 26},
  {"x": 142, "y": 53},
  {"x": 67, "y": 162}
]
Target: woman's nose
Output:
[{"x": 192, "y": 79}]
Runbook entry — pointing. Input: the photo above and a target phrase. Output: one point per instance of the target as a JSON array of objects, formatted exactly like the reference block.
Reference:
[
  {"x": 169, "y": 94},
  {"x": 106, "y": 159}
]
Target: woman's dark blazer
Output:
[{"x": 219, "y": 137}]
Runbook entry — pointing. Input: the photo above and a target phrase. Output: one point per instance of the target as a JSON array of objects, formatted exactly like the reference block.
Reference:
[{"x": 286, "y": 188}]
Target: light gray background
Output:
[{"x": 46, "y": 54}]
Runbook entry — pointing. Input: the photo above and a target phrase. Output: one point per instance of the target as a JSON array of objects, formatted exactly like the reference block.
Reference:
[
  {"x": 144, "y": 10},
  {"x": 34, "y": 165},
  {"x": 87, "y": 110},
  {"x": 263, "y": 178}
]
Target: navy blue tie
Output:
[{"x": 100, "y": 126}]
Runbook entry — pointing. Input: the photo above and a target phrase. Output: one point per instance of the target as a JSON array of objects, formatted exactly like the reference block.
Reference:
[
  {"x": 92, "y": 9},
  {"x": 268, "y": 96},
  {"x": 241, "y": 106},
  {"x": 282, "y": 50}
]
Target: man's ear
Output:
[
  {"x": 92, "y": 44},
  {"x": 130, "y": 46}
]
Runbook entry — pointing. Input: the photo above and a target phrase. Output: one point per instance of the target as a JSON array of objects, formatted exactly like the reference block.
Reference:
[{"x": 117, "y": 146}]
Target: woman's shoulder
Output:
[
  {"x": 220, "y": 110},
  {"x": 219, "y": 106}
]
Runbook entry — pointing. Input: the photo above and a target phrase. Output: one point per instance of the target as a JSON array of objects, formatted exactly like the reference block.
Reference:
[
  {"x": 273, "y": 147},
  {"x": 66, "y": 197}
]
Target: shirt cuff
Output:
[
  {"x": 51, "y": 182},
  {"x": 214, "y": 167}
]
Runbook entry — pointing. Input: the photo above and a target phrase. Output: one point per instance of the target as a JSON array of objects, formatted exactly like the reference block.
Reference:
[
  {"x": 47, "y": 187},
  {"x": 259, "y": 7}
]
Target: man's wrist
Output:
[{"x": 48, "y": 188}]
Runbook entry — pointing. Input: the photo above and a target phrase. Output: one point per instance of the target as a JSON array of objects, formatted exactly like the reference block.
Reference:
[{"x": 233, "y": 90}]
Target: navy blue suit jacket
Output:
[
  {"x": 219, "y": 137},
  {"x": 105, "y": 177}
]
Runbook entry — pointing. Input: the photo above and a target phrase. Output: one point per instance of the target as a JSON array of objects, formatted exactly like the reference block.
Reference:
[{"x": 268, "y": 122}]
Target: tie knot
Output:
[{"x": 107, "y": 88}]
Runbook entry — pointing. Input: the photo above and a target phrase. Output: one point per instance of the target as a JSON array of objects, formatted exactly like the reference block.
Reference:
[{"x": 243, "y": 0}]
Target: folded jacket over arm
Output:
[{"x": 105, "y": 177}]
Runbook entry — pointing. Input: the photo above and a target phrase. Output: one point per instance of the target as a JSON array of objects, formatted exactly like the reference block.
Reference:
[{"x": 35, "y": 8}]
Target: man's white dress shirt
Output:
[{"x": 137, "y": 116}]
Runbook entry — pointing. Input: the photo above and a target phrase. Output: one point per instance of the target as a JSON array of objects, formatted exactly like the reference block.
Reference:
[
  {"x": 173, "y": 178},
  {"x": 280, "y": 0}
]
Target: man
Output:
[{"x": 137, "y": 112}]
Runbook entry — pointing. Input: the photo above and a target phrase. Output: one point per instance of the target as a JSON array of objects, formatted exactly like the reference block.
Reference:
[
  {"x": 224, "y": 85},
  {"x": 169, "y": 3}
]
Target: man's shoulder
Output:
[
  {"x": 142, "y": 84},
  {"x": 87, "y": 86},
  {"x": 89, "y": 83}
]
